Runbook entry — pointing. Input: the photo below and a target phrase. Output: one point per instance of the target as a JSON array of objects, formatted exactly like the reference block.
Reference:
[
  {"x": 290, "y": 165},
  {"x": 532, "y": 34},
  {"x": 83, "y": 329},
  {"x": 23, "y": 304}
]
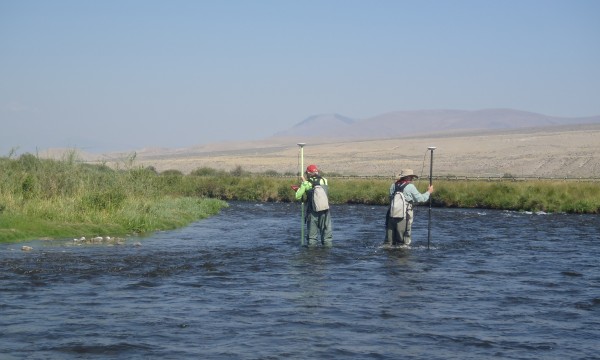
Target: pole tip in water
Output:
[{"x": 431, "y": 148}]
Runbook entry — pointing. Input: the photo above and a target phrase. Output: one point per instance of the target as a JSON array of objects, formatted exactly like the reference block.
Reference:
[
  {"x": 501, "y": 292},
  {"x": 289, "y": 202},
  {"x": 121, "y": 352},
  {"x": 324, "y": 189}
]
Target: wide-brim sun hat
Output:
[{"x": 404, "y": 173}]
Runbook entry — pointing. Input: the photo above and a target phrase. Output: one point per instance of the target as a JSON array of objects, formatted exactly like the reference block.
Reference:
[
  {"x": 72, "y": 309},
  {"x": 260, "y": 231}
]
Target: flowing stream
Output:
[{"x": 491, "y": 285}]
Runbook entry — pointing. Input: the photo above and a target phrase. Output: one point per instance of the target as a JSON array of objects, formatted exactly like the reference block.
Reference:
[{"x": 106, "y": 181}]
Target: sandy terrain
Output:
[{"x": 553, "y": 152}]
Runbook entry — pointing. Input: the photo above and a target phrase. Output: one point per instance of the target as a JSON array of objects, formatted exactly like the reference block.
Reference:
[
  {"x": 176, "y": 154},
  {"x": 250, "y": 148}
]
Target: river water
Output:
[{"x": 492, "y": 285}]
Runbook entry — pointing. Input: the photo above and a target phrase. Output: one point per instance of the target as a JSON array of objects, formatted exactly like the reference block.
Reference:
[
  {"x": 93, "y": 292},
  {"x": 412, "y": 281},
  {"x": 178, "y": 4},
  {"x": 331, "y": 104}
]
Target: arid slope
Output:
[{"x": 560, "y": 151}]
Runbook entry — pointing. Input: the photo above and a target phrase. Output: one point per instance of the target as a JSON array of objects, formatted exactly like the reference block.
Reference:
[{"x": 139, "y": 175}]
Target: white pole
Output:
[{"x": 302, "y": 222}]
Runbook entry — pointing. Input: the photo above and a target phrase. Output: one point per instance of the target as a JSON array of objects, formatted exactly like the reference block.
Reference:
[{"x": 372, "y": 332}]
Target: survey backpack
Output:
[
  {"x": 398, "y": 204},
  {"x": 320, "y": 201}
]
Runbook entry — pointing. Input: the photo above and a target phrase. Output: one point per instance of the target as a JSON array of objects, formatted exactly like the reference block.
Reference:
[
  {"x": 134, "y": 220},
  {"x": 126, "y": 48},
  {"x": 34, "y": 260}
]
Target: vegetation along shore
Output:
[
  {"x": 65, "y": 198},
  {"x": 43, "y": 198}
]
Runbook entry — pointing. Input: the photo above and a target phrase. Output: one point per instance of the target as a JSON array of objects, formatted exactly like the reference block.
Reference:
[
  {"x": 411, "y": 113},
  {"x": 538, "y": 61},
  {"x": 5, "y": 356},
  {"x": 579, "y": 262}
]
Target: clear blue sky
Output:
[{"x": 126, "y": 74}]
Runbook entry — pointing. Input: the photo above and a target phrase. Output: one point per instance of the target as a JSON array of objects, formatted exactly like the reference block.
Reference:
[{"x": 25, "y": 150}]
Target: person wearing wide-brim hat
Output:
[
  {"x": 406, "y": 173},
  {"x": 398, "y": 230}
]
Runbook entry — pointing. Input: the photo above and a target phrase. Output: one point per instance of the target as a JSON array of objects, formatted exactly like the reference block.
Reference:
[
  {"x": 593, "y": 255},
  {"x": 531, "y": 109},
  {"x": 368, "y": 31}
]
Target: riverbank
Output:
[
  {"x": 63, "y": 199},
  {"x": 576, "y": 197},
  {"x": 42, "y": 198},
  {"x": 39, "y": 220}
]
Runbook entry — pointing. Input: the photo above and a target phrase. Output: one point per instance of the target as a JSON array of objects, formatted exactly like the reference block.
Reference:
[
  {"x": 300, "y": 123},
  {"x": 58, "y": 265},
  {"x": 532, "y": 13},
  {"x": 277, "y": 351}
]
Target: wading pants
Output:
[
  {"x": 318, "y": 225},
  {"x": 398, "y": 231}
]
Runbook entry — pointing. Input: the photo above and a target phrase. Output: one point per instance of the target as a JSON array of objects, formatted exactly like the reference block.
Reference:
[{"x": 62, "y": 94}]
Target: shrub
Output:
[
  {"x": 206, "y": 171},
  {"x": 103, "y": 200}
]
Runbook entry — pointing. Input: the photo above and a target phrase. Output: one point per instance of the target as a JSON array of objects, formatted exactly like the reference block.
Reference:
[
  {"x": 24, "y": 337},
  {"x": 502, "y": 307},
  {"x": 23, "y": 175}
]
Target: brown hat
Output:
[{"x": 406, "y": 173}]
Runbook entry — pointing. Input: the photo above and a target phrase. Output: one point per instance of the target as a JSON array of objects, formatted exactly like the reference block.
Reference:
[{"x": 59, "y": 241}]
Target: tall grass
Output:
[
  {"x": 541, "y": 195},
  {"x": 535, "y": 195},
  {"x": 49, "y": 198}
]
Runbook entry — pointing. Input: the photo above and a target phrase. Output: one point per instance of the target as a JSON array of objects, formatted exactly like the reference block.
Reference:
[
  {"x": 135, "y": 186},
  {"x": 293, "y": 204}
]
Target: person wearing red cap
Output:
[
  {"x": 318, "y": 219},
  {"x": 398, "y": 229}
]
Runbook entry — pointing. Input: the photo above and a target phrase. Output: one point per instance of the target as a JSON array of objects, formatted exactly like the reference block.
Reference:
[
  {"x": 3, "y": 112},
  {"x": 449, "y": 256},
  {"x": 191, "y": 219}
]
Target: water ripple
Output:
[{"x": 492, "y": 284}]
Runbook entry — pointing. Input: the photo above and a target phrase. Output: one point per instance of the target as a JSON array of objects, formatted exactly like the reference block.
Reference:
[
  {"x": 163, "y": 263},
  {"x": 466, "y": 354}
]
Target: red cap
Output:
[{"x": 312, "y": 169}]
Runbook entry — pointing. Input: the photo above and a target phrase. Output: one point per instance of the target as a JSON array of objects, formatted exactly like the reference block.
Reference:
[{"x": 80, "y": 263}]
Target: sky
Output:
[{"x": 120, "y": 75}]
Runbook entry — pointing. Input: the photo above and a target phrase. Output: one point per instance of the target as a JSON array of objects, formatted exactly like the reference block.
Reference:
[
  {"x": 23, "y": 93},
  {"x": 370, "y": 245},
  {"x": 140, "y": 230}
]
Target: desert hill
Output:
[
  {"x": 423, "y": 122},
  {"x": 557, "y": 152}
]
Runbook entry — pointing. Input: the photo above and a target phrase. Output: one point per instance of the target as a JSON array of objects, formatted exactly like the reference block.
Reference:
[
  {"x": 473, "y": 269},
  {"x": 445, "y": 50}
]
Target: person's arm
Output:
[
  {"x": 414, "y": 195},
  {"x": 305, "y": 186}
]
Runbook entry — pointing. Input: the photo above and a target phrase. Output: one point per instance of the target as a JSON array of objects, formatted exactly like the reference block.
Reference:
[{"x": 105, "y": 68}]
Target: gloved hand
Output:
[{"x": 295, "y": 187}]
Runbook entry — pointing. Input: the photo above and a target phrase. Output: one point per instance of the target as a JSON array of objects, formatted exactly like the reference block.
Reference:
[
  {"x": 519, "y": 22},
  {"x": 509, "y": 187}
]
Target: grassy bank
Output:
[
  {"x": 60, "y": 199},
  {"x": 541, "y": 195},
  {"x": 48, "y": 198},
  {"x": 536, "y": 195}
]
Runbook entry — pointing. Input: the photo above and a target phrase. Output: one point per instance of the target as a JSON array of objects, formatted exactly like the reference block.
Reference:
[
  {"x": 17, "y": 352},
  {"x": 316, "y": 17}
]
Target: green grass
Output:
[
  {"x": 61, "y": 199},
  {"x": 541, "y": 195},
  {"x": 536, "y": 195}
]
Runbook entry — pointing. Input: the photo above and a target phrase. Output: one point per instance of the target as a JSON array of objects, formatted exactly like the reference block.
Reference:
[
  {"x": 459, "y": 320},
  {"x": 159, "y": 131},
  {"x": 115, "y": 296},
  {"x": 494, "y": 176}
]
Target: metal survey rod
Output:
[
  {"x": 431, "y": 148},
  {"x": 301, "y": 145}
]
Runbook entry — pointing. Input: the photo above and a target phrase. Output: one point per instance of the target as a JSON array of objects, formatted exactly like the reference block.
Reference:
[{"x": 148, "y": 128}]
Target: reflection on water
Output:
[{"x": 494, "y": 284}]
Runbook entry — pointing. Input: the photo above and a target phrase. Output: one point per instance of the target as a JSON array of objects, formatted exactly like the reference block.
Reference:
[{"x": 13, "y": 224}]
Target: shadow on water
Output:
[{"x": 493, "y": 284}]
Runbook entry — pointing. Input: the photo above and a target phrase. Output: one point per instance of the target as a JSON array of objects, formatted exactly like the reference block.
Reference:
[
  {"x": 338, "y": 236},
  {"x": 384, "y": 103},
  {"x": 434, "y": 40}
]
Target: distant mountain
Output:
[
  {"x": 317, "y": 125},
  {"x": 335, "y": 127},
  {"x": 410, "y": 123}
]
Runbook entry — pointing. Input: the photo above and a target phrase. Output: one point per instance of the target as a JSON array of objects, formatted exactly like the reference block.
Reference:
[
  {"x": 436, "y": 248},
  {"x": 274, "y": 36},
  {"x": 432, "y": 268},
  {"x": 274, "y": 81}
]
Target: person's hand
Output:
[
  {"x": 303, "y": 178},
  {"x": 295, "y": 187},
  {"x": 430, "y": 189}
]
